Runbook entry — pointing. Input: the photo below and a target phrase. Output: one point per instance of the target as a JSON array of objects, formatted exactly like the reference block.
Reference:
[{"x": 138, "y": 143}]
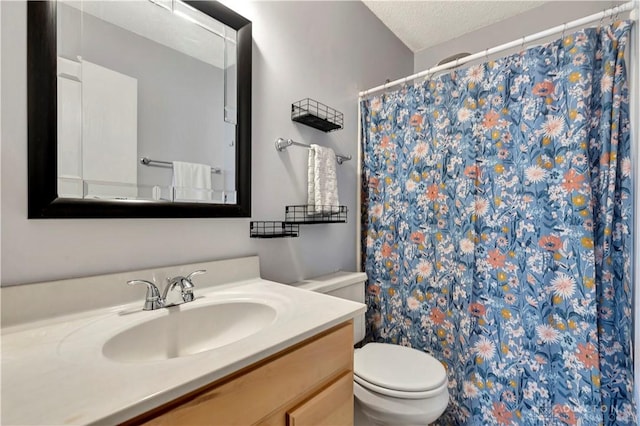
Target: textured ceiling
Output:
[{"x": 423, "y": 24}]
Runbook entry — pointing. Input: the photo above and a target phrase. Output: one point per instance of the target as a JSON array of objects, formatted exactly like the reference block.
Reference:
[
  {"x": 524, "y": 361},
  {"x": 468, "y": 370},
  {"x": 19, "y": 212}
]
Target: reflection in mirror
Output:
[
  {"x": 118, "y": 105},
  {"x": 146, "y": 102}
]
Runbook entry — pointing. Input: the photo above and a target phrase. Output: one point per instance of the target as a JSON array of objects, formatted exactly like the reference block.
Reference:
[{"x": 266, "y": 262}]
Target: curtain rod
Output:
[{"x": 519, "y": 42}]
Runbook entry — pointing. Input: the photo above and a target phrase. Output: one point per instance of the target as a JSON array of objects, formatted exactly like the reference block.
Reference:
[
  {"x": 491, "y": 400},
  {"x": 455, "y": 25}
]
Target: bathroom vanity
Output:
[
  {"x": 245, "y": 351},
  {"x": 308, "y": 384}
]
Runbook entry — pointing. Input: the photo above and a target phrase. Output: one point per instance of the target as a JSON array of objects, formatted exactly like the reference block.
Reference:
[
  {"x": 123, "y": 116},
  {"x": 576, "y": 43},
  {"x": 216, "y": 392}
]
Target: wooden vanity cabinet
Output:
[{"x": 310, "y": 383}]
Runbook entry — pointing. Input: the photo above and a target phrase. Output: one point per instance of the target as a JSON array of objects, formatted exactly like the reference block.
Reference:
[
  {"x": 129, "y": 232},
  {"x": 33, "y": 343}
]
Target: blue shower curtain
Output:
[{"x": 497, "y": 210}]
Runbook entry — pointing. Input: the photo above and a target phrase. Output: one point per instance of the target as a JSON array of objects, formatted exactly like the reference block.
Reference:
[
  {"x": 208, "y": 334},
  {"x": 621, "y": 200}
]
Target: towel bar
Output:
[
  {"x": 282, "y": 144},
  {"x": 169, "y": 165}
]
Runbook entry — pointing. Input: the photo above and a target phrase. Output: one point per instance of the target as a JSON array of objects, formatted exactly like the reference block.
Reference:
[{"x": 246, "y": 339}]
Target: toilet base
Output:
[
  {"x": 384, "y": 410},
  {"x": 359, "y": 418}
]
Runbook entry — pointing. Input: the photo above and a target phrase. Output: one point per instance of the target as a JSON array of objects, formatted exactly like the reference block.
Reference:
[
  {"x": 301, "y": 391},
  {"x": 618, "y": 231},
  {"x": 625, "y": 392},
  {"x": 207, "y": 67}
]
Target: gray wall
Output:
[
  {"x": 180, "y": 98},
  {"x": 324, "y": 50},
  {"x": 541, "y": 18}
]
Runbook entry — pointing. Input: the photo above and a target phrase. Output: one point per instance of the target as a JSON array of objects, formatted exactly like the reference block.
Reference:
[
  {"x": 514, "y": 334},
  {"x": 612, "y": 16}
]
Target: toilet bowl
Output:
[
  {"x": 396, "y": 385},
  {"x": 393, "y": 385}
]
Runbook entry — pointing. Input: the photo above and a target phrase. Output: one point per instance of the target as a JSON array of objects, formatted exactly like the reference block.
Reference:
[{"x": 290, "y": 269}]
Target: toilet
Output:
[{"x": 393, "y": 385}]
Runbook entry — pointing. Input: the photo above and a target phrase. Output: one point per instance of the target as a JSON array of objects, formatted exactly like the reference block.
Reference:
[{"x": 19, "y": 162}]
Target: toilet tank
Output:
[{"x": 345, "y": 285}]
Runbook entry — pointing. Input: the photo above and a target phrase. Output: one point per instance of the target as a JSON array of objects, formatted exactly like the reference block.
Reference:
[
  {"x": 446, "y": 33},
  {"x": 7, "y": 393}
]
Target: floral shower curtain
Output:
[{"x": 496, "y": 231}]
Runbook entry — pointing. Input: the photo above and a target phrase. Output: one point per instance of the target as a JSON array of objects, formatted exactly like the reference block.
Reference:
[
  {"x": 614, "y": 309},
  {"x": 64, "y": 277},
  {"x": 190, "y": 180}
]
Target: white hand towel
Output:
[
  {"x": 192, "y": 181},
  {"x": 322, "y": 195}
]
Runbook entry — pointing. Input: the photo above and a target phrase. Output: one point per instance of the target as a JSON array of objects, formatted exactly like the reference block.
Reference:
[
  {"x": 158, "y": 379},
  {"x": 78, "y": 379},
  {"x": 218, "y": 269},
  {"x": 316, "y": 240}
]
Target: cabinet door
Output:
[{"x": 331, "y": 406}]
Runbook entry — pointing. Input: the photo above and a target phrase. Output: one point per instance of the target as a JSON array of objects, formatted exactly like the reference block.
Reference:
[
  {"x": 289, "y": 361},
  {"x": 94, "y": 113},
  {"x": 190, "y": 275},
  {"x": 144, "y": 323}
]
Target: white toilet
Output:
[{"x": 393, "y": 385}]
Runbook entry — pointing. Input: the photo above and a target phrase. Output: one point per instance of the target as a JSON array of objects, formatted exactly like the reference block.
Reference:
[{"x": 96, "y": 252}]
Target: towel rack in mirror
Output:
[
  {"x": 282, "y": 144},
  {"x": 169, "y": 165}
]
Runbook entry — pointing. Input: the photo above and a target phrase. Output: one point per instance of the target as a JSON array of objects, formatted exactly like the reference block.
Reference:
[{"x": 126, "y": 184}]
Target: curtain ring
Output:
[
  {"x": 486, "y": 54},
  {"x": 602, "y": 18},
  {"x": 524, "y": 39},
  {"x": 564, "y": 28}
]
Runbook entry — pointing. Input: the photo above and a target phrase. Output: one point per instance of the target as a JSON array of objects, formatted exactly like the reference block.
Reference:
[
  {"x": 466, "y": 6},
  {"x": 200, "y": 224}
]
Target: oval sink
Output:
[{"x": 184, "y": 331}]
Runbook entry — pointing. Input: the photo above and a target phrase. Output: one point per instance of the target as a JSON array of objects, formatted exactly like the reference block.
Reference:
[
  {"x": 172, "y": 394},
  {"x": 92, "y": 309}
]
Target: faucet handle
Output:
[
  {"x": 194, "y": 273},
  {"x": 187, "y": 285},
  {"x": 152, "y": 300}
]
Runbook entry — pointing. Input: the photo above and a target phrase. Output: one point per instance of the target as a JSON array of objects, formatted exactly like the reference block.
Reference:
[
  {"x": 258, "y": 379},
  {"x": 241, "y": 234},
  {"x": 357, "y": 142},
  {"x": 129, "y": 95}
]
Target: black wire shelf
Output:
[
  {"x": 317, "y": 115},
  {"x": 304, "y": 214},
  {"x": 273, "y": 229}
]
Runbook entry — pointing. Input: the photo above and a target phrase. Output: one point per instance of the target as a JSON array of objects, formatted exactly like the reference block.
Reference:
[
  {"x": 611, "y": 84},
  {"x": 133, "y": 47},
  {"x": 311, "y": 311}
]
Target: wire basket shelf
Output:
[
  {"x": 315, "y": 214},
  {"x": 317, "y": 115},
  {"x": 273, "y": 229}
]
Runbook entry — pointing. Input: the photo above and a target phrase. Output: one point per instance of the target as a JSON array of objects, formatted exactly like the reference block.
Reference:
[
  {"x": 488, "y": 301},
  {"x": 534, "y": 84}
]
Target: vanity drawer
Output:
[
  {"x": 331, "y": 406},
  {"x": 267, "y": 392}
]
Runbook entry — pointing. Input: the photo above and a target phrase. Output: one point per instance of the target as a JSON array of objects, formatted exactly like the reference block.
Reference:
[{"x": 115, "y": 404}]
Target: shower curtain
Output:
[{"x": 497, "y": 210}]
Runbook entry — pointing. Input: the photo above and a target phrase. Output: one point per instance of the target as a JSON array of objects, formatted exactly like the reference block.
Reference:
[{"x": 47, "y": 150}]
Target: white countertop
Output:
[{"x": 54, "y": 372}]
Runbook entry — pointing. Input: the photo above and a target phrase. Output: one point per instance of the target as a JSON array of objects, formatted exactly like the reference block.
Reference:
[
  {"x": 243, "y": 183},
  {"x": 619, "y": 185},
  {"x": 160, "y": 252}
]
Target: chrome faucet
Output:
[{"x": 153, "y": 300}]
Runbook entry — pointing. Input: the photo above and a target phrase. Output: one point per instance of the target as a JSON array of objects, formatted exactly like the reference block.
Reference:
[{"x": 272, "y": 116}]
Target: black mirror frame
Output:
[{"x": 43, "y": 201}]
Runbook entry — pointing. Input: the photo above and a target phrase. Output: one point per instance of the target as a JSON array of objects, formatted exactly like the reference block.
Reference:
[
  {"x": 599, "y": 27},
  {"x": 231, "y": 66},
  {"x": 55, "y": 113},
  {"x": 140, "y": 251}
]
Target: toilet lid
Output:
[{"x": 398, "y": 368}]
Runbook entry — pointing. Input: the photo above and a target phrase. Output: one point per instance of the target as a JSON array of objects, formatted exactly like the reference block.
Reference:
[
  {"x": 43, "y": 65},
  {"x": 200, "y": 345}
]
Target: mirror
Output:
[{"x": 138, "y": 109}]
